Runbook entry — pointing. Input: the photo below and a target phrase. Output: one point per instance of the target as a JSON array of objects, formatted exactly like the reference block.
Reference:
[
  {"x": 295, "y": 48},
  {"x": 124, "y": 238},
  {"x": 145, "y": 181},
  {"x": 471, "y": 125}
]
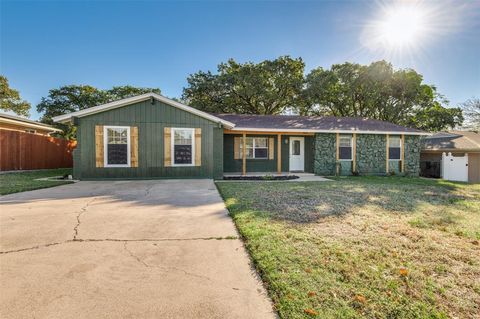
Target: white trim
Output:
[
  {"x": 116, "y": 104},
  {"x": 327, "y": 131},
  {"x": 31, "y": 125},
  {"x": 254, "y": 147},
  {"x": 172, "y": 145},
  {"x": 105, "y": 147},
  {"x": 302, "y": 153},
  {"x": 395, "y": 159},
  {"x": 351, "y": 148}
]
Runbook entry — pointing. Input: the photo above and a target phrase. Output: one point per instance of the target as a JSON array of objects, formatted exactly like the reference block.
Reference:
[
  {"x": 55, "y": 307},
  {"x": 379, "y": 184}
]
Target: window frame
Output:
[
  {"x": 105, "y": 146},
  {"x": 172, "y": 145},
  {"x": 254, "y": 147},
  {"x": 351, "y": 148},
  {"x": 399, "y": 147}
]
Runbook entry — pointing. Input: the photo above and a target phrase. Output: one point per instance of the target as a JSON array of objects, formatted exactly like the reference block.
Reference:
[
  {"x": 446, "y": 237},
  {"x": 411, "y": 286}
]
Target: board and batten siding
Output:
[{"x": 150, "y": 119}]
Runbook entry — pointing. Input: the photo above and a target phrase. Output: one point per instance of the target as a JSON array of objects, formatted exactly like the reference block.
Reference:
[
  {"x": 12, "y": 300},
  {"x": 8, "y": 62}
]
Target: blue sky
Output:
[{"x": 46, "y": 44}]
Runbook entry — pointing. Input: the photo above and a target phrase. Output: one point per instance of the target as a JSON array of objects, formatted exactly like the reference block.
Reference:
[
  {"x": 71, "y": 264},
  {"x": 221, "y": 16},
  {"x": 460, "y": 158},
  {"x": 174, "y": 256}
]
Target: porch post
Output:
[
  {"x": 279, "y": 153},
  {"x": 244, "y": 154}
]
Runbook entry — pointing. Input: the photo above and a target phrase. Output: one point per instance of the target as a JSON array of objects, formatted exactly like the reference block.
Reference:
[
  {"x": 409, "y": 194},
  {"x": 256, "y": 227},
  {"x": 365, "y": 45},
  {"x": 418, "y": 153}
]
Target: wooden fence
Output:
[{"x": 25, "y": 151}]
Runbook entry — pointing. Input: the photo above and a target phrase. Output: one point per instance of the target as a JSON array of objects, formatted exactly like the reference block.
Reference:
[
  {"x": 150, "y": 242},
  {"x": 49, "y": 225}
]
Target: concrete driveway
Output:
[{"x": 125, "y": 249}]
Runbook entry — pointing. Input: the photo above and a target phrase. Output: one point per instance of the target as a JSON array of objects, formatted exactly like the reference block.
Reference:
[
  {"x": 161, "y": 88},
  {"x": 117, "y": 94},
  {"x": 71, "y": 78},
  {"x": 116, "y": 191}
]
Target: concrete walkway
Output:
[{"x": 126, "y": 249}]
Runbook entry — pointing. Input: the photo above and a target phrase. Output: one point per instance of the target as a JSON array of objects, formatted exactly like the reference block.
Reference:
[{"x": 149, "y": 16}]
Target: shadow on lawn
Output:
[{"x": 310, "y": 202}]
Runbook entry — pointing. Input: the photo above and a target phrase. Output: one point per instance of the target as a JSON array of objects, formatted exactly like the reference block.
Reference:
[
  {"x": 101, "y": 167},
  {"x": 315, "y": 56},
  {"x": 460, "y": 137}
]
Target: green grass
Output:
[
  {"x": 25, "y": 181},
  {"x": 363, "y": 247}
]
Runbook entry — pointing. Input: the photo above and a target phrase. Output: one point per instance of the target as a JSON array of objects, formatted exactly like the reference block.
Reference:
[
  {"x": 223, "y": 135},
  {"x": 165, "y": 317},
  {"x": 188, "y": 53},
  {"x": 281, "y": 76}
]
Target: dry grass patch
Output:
[{"x": 363, "y": 247}]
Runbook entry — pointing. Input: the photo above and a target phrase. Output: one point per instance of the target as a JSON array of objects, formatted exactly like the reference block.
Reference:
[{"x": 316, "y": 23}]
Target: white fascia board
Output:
[
  {"x": 116, "y": 104},
  {"x": 30, "y": 125},
  {"x": 326, "y": 131}
]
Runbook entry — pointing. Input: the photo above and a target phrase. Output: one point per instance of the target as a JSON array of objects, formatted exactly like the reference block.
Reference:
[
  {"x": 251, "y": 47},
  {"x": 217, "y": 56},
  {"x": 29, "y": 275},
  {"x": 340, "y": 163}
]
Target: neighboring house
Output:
[
  {"x": 17, "y": 123},
  {"x": 453, "y": 155},
  {"x": 150, "y": 136}
]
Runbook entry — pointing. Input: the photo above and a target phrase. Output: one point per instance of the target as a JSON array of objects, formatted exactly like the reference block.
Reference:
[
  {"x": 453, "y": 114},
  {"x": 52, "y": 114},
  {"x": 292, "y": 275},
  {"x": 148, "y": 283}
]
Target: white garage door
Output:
[{"x": 455, "y": 168}]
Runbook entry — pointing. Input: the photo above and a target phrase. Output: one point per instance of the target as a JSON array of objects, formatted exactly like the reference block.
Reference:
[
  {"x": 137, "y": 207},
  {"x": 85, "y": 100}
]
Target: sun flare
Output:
[{"x": 401, "y": 26}]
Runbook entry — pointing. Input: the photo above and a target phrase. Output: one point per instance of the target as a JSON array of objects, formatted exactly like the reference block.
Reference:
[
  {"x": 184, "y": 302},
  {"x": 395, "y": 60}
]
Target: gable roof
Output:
[
  {"x": 453, "y": 141},
  {"x": 18, "y": 120},
  {"x": 328, "y": 124},
  {"x": 139, "y": 98}
]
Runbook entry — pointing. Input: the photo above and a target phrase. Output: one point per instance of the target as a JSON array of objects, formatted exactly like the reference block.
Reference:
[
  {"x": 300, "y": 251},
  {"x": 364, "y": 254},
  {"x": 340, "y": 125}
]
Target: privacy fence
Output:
[{"x": 25, "y": 151}]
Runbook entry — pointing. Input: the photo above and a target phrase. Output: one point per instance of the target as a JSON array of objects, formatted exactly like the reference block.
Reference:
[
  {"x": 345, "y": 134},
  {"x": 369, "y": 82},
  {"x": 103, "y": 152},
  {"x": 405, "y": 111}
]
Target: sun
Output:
[{"x": 402, "y": 26}]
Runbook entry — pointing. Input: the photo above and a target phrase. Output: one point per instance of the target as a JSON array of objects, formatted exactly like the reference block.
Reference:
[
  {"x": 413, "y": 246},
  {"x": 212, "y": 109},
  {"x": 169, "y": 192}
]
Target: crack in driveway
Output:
[
  {"x": 82, "y": 210},
  {"x": 115, "y": 240}
]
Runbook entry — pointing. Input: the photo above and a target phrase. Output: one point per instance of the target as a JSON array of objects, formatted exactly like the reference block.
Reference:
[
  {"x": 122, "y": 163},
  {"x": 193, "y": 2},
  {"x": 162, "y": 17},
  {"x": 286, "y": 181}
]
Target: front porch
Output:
[{"x": 267, "y": 153}]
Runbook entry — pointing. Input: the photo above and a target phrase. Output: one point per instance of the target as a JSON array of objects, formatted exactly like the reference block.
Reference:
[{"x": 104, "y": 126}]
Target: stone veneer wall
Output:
[
  {"x": 325, "y": 154},
  {"x": 371, "y": 154},
  {"x": 413, "y": 145}
]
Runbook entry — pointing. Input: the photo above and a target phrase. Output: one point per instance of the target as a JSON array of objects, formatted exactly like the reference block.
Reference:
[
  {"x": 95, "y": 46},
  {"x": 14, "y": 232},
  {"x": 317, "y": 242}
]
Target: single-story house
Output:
[
  {"x": 151, "y": 136},
  {"x": 453, "y": 155},
  {"x": 16, "y": 123}
]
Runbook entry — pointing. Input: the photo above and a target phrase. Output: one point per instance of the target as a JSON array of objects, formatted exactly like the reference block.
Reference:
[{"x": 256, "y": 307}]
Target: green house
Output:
[{"x": 151, "y": 136}]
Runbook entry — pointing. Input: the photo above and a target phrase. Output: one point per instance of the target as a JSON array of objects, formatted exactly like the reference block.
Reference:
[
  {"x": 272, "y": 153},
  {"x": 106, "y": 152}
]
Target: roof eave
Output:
[
  {"x": 124, "y": 102},
  {"x": 246, "y": 129}
]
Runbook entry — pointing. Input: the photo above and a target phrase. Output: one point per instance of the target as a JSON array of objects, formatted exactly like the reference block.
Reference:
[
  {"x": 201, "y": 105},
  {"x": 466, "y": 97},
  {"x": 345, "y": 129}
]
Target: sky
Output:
[{"x": 47, "y": 44}]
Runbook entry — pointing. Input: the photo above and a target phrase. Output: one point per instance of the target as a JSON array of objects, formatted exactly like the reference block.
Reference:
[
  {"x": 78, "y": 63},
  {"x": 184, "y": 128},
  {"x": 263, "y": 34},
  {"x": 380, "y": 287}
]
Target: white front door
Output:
[{"x": 297, "y": 154}]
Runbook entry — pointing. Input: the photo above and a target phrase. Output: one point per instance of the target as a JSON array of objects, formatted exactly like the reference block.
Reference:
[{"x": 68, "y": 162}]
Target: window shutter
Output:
[
  {"x": 99, "y": 147},
  {"x": 236, "y": 147},
  {"x": 271, "y": 148},
  {"x": 198, "y": 147},
  {"x": 167, "y": 146},
  {"x": 133, "y": 146}
]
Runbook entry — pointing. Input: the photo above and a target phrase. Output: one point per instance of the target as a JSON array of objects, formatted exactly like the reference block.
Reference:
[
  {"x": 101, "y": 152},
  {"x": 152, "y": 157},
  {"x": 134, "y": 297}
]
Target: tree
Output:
[
  {"x": 377, "y": 91},
  {"x": 471, "y": 109},
  {"x": 72, "y": 98},
  {"x": 268, "y": 87},
  {"x": 10, "y": 99}
]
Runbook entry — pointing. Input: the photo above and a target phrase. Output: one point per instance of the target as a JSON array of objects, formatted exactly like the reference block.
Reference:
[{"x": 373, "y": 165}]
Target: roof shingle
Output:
[{"x": 297, "y": 122}]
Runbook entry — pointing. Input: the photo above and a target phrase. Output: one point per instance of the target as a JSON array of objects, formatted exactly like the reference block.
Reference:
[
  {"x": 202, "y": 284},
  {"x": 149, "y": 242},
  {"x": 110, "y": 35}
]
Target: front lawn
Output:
[
  {"x": 26, "y": 181},
  {"x": 363, "y": 247}
]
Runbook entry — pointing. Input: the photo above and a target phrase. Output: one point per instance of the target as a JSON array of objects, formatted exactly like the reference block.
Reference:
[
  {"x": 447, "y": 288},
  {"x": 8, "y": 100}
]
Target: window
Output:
[
  {"x": 394, "y": 147},
  {"x": 345, "y": 148},
  {"x": 117, "y": 146},
  {"x": 296, "y": 147},
  {"x": 257, "y": 147},
  {"x": 183, "y": 146}
]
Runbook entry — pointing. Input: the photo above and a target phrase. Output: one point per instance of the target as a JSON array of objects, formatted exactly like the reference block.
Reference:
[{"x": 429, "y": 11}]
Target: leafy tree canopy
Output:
[
  {"x": 10, "y": 99},
  {"x": 377, "y": 91},
  {"x": 73, "y": 98},
  {"x": 268, "y": 87}
]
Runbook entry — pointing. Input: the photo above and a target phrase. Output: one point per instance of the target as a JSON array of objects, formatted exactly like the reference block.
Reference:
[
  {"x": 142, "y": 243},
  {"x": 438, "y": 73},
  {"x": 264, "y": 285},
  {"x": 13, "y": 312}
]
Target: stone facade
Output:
[
  {"x": 325, "y": 154},
  {"x": 413, "y": 145},
  {"x": 371, "y": 154},
  {"x": 370, "y": 157}
]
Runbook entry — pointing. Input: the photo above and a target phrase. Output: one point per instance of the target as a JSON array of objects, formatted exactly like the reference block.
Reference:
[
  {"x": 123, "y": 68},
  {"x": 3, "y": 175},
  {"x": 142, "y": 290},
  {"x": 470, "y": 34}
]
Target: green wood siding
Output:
[
  {"x": 150, "y": 120},
  {"x": 265, "y": 165}
]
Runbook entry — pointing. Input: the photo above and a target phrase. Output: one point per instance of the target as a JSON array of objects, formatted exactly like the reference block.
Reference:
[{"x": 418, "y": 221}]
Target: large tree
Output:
[
  {"x": 268, "y": 87},
  {"x": 73, "y": 98},
  {"x": 377, "y": 91},
  {"x": 471, "y": 109},
  {"x": 10, "y": 99}
]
